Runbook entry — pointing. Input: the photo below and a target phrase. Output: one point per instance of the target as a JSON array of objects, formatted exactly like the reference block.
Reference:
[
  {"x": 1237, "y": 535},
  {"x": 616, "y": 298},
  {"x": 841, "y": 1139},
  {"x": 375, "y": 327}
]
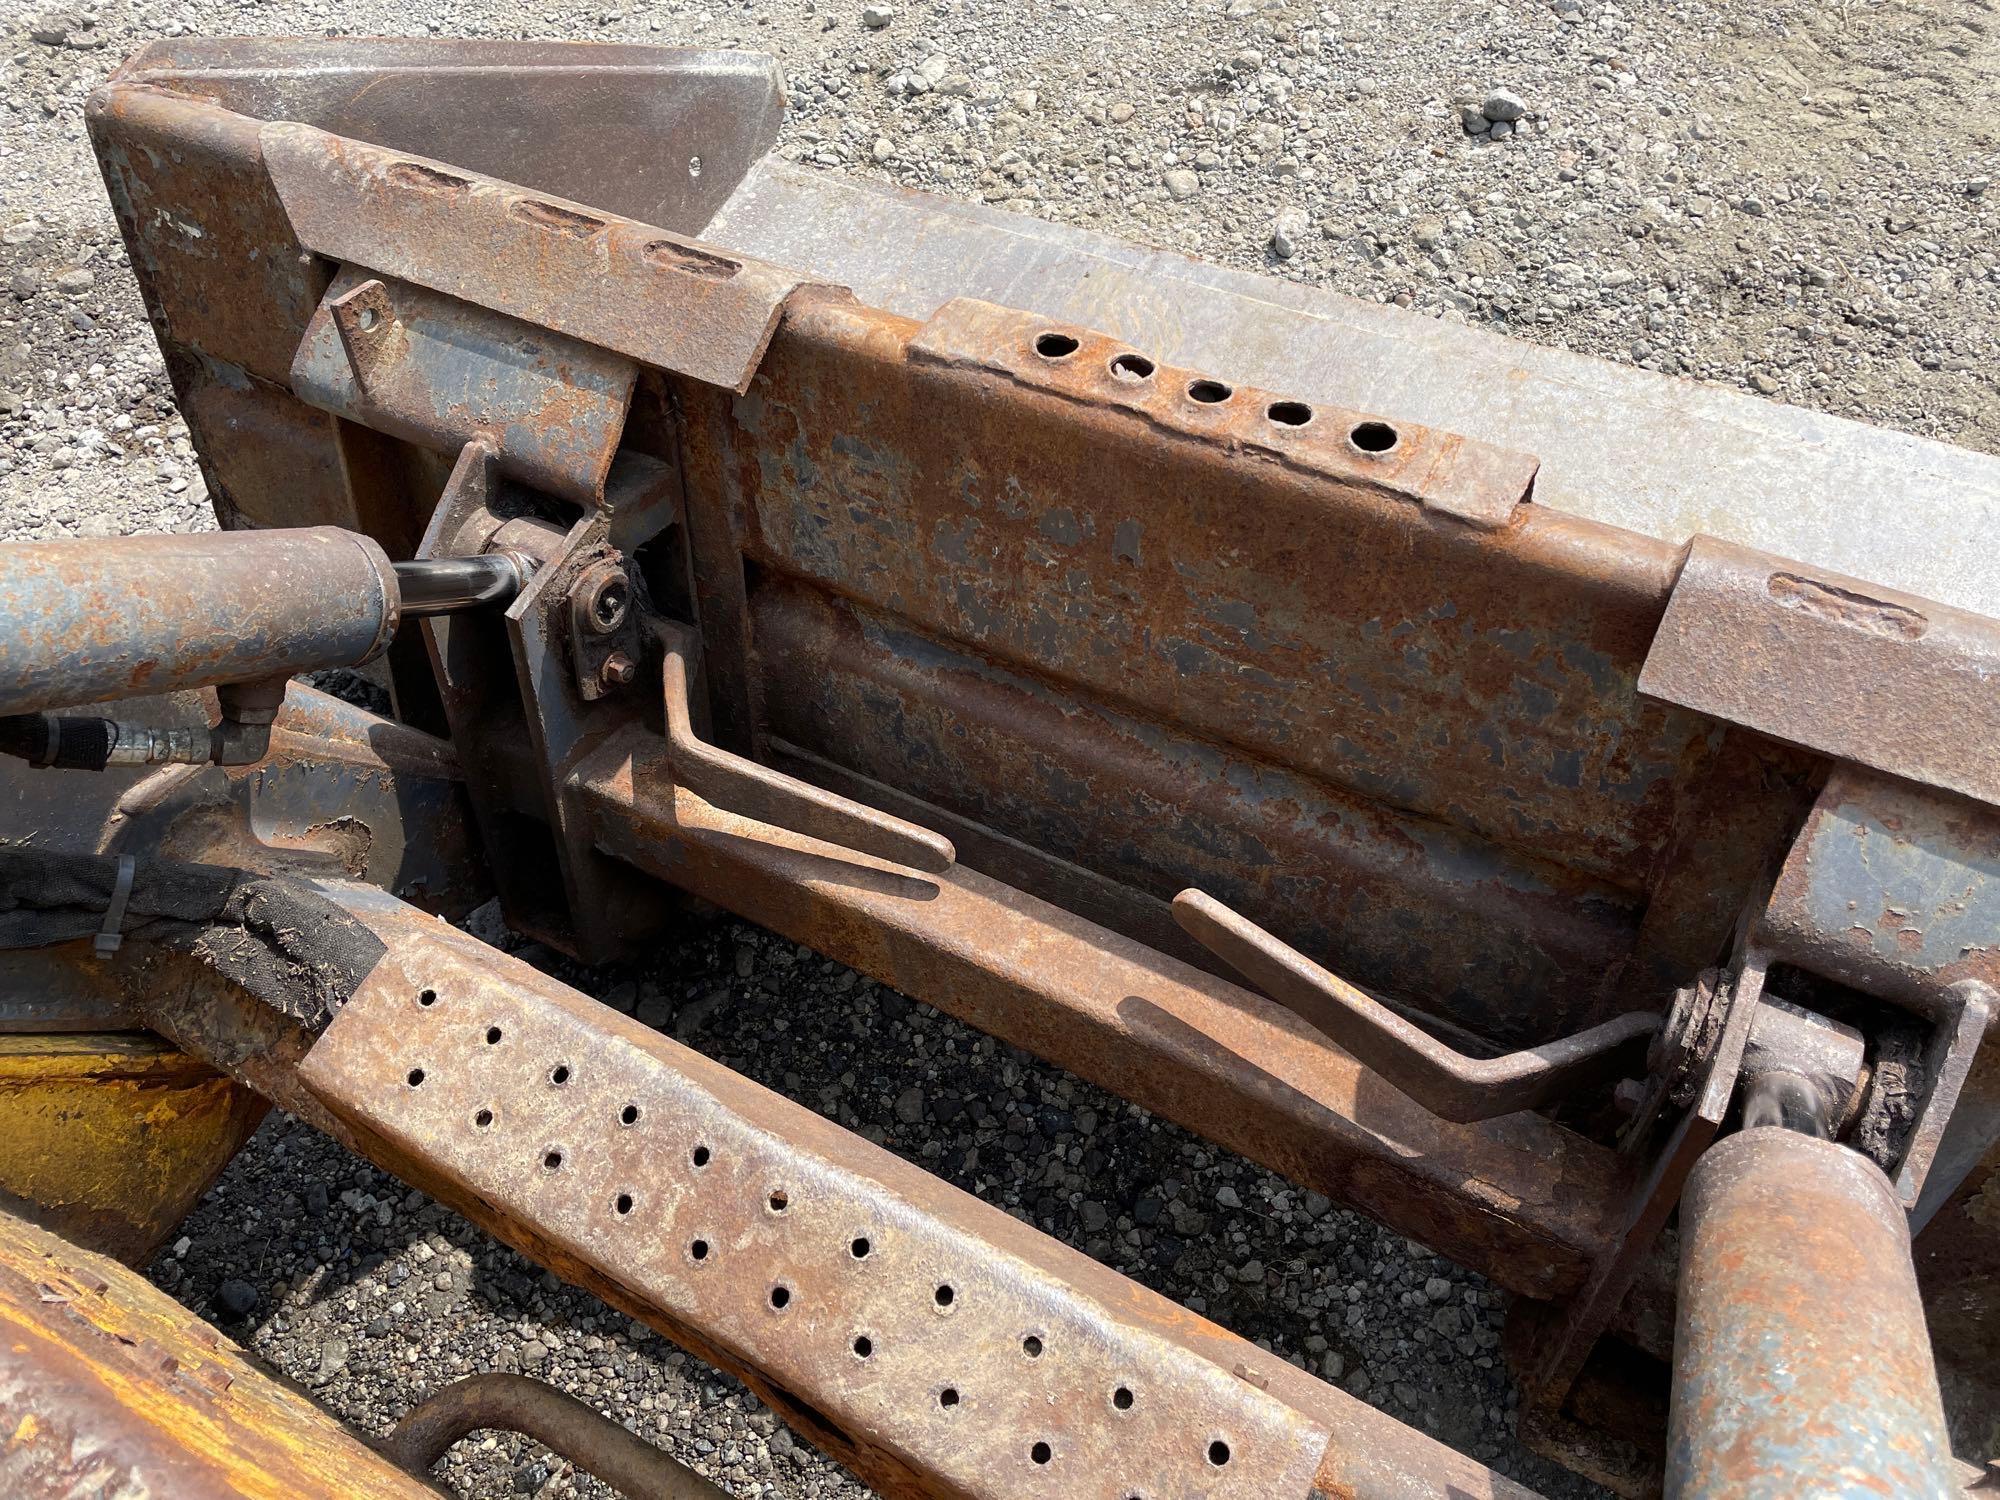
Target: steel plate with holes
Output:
[
  {"x": 924, "y": 1323},
  {"x": 633, "y": 288}
]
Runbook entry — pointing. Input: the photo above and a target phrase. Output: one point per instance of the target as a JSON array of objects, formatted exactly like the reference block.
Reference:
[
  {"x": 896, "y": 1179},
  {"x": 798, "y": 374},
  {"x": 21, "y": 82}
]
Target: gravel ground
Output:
[{"x": 1785, "y": 196}]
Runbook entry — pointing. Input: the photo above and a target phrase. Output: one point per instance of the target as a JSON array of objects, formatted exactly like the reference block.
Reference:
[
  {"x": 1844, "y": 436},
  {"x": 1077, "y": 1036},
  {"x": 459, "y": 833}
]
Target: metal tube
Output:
[
  {"x": 561, "y": 1423},
  {"x": 89, "y": 621},
  {"x": 1801, "y": 1362},
  {"x": 441, "y": 585}
]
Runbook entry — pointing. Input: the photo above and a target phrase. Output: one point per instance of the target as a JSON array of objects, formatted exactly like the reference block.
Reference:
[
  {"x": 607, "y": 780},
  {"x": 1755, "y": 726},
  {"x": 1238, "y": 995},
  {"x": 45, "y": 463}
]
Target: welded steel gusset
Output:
[{"x": 1373, "y": 773}]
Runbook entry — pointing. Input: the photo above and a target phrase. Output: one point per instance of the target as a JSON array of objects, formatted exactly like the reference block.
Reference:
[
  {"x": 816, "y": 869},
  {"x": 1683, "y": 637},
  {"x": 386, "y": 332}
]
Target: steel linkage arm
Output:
[
  {"x": 1519, "y": 1198},
  {"x": 1443, "y": 1080}
]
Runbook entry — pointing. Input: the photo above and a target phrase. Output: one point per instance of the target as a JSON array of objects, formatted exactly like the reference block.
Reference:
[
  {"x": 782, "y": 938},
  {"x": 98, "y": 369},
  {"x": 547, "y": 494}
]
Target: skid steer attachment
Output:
[{"x": 1557, "y": 815}]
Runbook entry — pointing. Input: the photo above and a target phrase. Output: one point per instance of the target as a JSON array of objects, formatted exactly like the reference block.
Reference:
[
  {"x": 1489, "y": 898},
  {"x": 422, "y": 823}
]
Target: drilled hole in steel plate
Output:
[
  {"x": 629, "y": 1115},
  {"x": 781, "y": 1297},
  {"x": 780, "y": 1200},
  {"x": 944, "y": 1296},
  {"x": 1041, "y": 1453},
  {"x": 493, "y": 1035},
  {"x": 559, "y": 1074},
  {"x": 948, "y": 1397},
  {"x": 1289, "y": 413},
  {"x": 367, "y": 319},
  {"x": 1032, "y": 1347},
  {"x": 863, "y": 1346},
  {"x": 1122, "y": 1398},
  {"x": 427, "y": 998},
  {"x": 1055, "y": 346},
  {"x": 1218, "y": 1452},
  {"x": 858, "y": 1247},
  {"x": 697, "y": 1249},
  {"x": 1132, "y": 367},
  {"x": 483, "y": 1118},
  {"x": 415, "y": 1078},
  {"x": 622, "y": 1203},
  {"x": 552, "y": 1158},
  {"x": 1373, "y": 437},
  {"x": 1209, "y": 392},
  {"x": 701, "y": 1156}
]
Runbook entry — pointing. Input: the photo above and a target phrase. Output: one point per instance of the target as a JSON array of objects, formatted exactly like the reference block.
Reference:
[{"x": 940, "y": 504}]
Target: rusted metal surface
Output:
[
  {"x": 110, "y": 1387},
  {"x": 745, "y": 789},
  {"x": 1948, "y": 1062},
  {"x": 209, "y": 240},
  {"x": 610, "y": 910},
  {"x": 1891, "y": 889},
  {"x": 559, "y": 1422},
  {"x": 1838, "y": 664},
  {"x": 1471, "y": 482},
  {"x": 775, "y": 1242},
  {"x": 1444, "y": 1081},
  {"x": 1801, "y": 1361},
  {"x": 473, "y": 663},
  {"x": 1188, "y": 572},
  {"x": 97, "y": 620},
  {"x": 1112, "y": 628},
  {"x": 1660, "y": 456},
  {"x": 1520, "y": 1198},
  {"x": 439, "y": 372},
  {"x": 1410, "y": 906},
  {"x": 1055, "y": 595},
  {"x": 634, "y": 288},
  {"x": 1894, "y": 889},
  {"x": 1958, "y": 1262},
  {"x": 1669, "y": 1134}
]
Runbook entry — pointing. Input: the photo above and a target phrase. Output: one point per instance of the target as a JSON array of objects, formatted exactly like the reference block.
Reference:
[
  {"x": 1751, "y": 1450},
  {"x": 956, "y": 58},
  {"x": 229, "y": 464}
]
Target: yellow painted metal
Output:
[
  {"x": 110, "y": 1138},
  {"x": 110, "y": 1387}
]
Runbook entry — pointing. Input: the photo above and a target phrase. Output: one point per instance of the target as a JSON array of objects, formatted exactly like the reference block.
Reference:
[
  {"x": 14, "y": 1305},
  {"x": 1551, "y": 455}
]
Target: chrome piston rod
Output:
[{"x": 446, "y": 585}]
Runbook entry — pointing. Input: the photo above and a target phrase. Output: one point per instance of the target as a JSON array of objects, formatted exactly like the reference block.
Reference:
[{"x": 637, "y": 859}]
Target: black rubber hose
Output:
[
  {"x": 79, "y": 744},
  {"x": 25, "y": 736}
]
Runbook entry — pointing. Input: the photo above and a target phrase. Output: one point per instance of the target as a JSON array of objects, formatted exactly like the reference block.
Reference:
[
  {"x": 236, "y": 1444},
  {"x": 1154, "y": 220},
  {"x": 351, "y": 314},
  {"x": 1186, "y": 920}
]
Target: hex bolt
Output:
[
  {"x": 618, "y": 670},
  {"x": 609, "y": 603}
]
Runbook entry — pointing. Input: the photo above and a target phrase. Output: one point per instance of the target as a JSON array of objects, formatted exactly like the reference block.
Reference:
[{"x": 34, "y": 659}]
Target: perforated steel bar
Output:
[{"x": 930, "y": 1340}]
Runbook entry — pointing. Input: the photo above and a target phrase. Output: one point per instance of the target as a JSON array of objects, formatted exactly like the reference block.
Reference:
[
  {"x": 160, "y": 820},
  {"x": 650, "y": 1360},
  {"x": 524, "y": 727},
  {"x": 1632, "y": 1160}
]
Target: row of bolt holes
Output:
[
  {"x": 781, "y": 1296},
  {"x": 1369, "y": 437}
]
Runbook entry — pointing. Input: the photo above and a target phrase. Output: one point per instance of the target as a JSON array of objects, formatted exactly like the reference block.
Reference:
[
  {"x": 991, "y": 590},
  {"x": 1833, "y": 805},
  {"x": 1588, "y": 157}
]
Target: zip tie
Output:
[{"x": 109, "y": 939}]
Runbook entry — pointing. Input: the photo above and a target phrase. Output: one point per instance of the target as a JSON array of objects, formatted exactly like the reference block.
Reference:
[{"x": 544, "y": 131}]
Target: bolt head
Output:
[{"x": 619, "y": 670}]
